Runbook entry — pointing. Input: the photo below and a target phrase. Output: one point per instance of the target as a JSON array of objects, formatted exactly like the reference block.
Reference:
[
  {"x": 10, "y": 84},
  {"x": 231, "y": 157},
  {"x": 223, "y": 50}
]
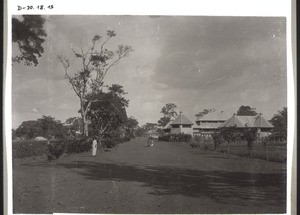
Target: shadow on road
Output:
[{"x": 237, "y": 188}]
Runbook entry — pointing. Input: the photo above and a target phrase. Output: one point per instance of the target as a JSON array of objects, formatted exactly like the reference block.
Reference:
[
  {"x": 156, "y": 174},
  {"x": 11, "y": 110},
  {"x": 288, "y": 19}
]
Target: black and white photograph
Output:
[{"x": 149, "y": 114}]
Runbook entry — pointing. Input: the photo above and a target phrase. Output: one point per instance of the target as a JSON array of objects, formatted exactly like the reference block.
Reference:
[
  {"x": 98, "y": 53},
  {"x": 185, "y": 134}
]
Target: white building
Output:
[
  {"x": 181, "y": 125},
  {"x": 209, "y": 123}
]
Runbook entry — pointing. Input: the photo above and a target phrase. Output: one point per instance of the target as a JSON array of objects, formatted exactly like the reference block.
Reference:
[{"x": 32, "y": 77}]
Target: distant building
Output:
[
  {"x": 248, "y": 121},
  {"x": 209, "y": 123},
  {"x": 181, "y": 125},
  {"x": 263, "y": 126}
]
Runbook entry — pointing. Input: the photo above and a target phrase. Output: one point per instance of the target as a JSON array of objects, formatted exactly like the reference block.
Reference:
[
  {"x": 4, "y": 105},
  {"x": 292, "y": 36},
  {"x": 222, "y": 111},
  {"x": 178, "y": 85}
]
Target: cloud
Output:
[
  {"x": 195, "y": 62},
  {"x": 215, "y": 48}
]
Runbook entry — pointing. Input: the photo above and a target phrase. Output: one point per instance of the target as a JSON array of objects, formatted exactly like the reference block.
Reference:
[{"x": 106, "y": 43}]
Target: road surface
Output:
[{"x": 134, "y": 178}]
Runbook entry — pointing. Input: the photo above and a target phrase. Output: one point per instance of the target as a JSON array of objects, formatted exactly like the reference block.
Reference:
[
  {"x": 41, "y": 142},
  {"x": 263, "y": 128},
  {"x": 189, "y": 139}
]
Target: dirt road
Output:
[{"x": 134, "y": 178}]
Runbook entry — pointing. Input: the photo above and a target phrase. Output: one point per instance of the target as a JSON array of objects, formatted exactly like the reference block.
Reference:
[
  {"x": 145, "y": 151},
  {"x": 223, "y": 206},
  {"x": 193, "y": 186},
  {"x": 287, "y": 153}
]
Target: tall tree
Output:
[
  {"x": 131, "y": 125},
  {"x": 97, "y": 60},
  {"x": 169, "y": 112},
  {"x": 28, "y": 33},
  {"x": 279, "y": 121},
  {"x": 204, "y": 112},
  {"x": 108, "y": 111},
  {"x": 247, "y": 111}
]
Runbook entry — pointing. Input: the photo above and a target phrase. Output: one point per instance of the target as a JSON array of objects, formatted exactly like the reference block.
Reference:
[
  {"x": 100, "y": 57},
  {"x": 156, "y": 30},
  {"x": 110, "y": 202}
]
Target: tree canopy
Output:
[
  {"x": 169, "y": 112},
  {"x": 29, "y": 35},
  {"x": 97, "y": 60},
  {"x": 150, "y": 126},
  {"x": 51, "y": 127},
  {"x": 279, "y": 121},
  {"x": 247, "y": 111},
  {"x": 46, "y": 126},
  {"x": 74, "y": 123},
  {"x": 131, "y": 126},
  {"x": 204, "y": 112},
  {"x": 108, "y": 111}
]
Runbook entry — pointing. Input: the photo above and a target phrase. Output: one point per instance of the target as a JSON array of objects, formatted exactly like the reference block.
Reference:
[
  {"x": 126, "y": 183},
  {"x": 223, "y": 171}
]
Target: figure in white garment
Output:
[{"x": 94, "y": 148}]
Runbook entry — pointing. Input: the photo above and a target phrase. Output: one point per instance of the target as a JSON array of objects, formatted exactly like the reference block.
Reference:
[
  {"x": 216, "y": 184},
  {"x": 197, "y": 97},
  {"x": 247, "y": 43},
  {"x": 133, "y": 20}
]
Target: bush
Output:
[
  {"x": 28, "y": 148},
  {"x": 79, "y": 145},
  {"x": 55, "y": 149},
  {"x": 113, "y": 138},
  {"x": 217, "y": 139},
  {"x": 194, "y": 144},
  {"x": 125, "y": 139},
  {"x": 109, "y": 143},
  {"x": 176, "y": 138}
]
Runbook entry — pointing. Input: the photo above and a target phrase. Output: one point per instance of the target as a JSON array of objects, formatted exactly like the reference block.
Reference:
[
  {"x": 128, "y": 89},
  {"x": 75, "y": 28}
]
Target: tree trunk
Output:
[
  {"x": 85, "y": 125},
  {"x": 266, "y": 150},
  {"x": 228, "y": 147}
]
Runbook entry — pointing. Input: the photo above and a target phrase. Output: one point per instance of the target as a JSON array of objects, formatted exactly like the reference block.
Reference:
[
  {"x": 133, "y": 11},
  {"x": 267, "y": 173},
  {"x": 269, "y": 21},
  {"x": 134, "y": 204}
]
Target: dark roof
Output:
[
  {"x": 209, "y": 125},
  {"x": 182, "y": 120},
  {"x": 247, "y": 121}
]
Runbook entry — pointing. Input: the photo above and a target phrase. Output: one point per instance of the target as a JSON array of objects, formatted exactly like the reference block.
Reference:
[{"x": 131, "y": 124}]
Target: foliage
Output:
[
  {"x": 276, "y": 137},
  {"x": 176, "y": 138},
  {"x": 169, "y": 113},
  {"x": 169, "y": 110},
  {"x": 218, "y": 140},
  {"x": 55, "y": 149},
  {"x": 194, "y": 144},
  {"x": 108, "y": 112},
  {"x": 140, "y": 131},
  {"x": 249, "y": 135},
  {"x": 279, "y": 121},
  {"x": 131, "y": 126},
  {"x": 51, "y": 127},
  {"x": 78, "y": 145},
  {"x": 163, "y": 121},
  {"x": 87, "y": 82},
  {"x": 230, "y": 134},
  {"x": 46, "y": 126},
  {"x": 74, "y": 123},
  {"x": 113, "y": 138},
  {"x": 29, "y": 36},
  {"x": 247, "y": 111},
  {"x": 29, "y": 129},
  {"x": 204, "y": 112},
  {"x": 28, "y": 148},
  {"x": 149, "y": 126}
]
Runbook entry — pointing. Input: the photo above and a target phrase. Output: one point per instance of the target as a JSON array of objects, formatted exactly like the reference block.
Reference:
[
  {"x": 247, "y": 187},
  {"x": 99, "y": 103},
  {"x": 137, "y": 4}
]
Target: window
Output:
[{"x": 186, "y": 126}]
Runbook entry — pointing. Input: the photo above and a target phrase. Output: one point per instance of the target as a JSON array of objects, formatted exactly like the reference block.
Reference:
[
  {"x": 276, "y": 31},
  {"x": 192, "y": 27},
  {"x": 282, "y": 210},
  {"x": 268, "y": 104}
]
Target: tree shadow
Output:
[{"x": 238, "y": 188}]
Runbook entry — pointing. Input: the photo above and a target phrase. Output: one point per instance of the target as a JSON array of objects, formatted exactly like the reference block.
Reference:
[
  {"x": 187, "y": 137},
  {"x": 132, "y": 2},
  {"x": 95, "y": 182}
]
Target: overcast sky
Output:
[{"x": 194, "y": 62}]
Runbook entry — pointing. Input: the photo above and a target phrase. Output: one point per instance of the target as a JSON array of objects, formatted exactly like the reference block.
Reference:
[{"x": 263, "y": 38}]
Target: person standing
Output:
[{"x": 94, "y": 147}]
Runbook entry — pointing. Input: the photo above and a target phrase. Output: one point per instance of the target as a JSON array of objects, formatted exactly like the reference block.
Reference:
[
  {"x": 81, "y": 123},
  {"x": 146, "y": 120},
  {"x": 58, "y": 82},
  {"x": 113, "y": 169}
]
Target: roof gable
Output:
[
  {"x": 261, "y": 122},
  {"x": 247, "y": 121},
  {"x": 182, "y": 120}
]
